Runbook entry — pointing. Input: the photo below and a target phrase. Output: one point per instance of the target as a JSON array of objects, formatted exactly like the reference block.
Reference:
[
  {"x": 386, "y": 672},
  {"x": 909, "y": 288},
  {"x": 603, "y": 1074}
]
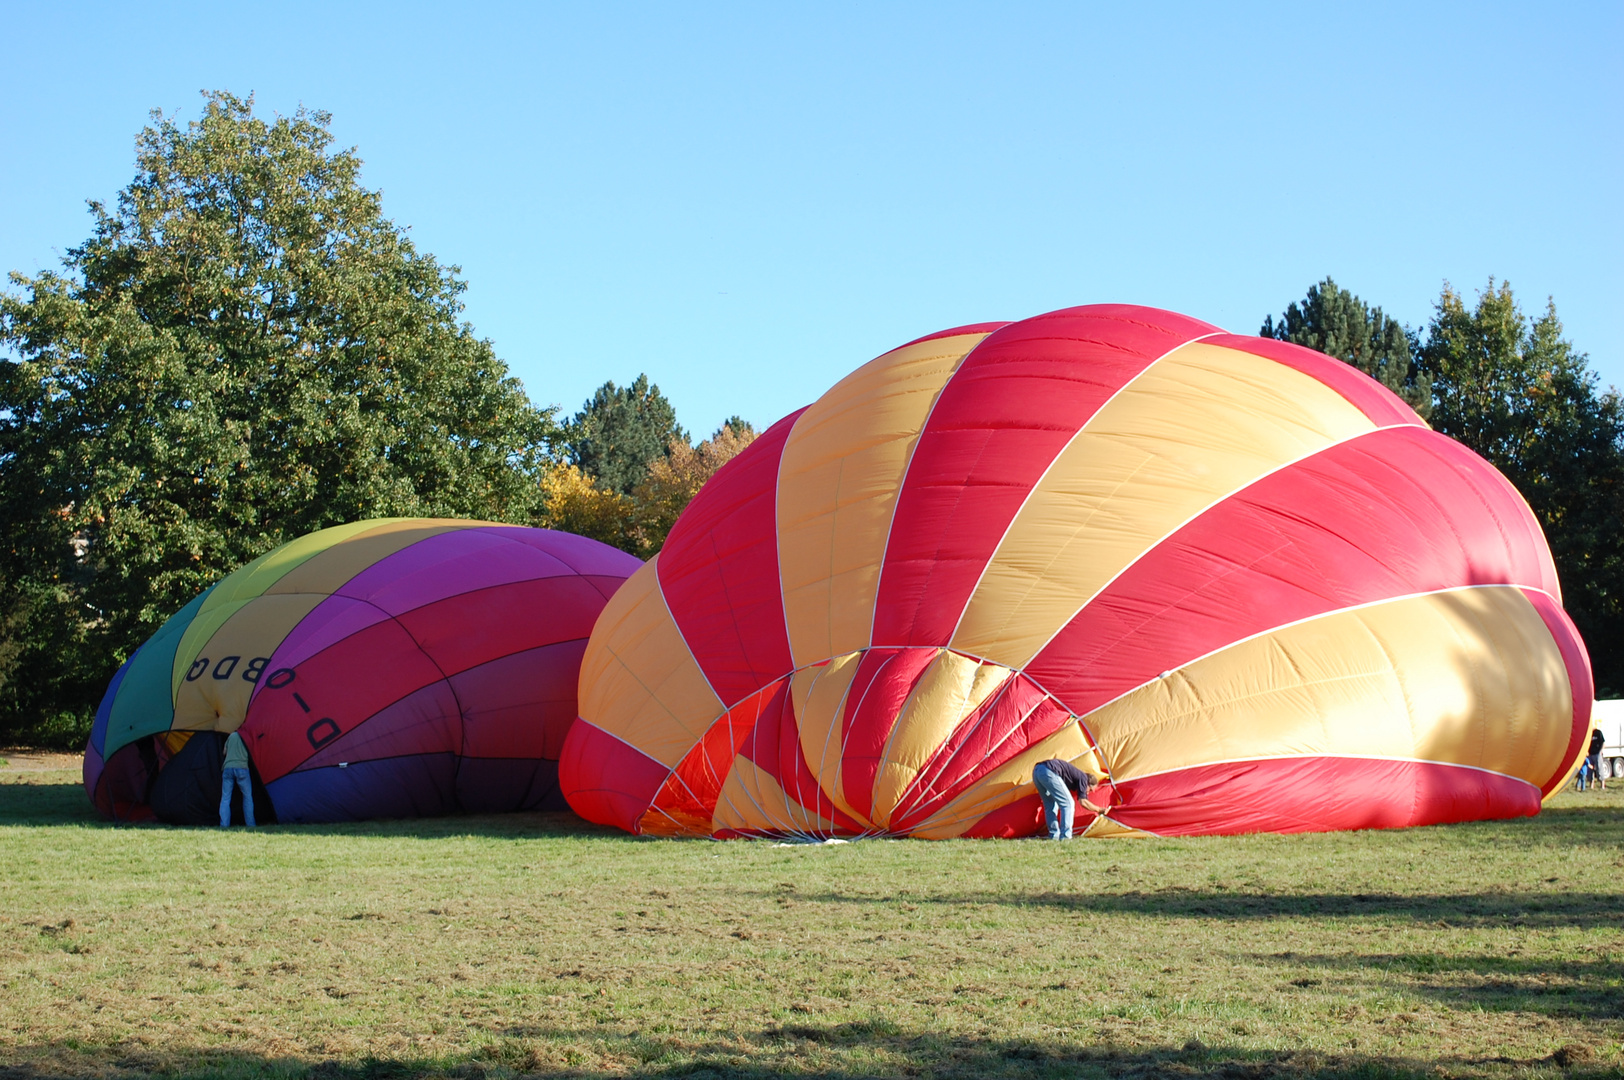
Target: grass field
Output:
[{"x": 495, "y": 947}]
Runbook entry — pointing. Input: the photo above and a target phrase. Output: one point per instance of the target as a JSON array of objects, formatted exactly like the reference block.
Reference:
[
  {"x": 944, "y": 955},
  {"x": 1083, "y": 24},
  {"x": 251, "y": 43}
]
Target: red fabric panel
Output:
[
  {"x": 1580, "y": 678},
  {"x": 1394, "y": 512},
  {"x": 883, "y": 681},
  {"x": 719, "y": 572},
  {"x": 605, "y": 780},
  {"x": 774, "y": 745},
  {"x": 1371, "y": 398},
  {"x": 1318, "y": 794},
  {"x": 1007, "y": 723},
  {"x": 424, "y": 722},
  {"x": 1009, "y": 409},
  {"x": 1023, "y": 817},
  {"x": 464, "y": 631},
  {"x": 689, "y": 796},
  {"x": 332, "y": 693},
  {"x": 968, "y": 328}
]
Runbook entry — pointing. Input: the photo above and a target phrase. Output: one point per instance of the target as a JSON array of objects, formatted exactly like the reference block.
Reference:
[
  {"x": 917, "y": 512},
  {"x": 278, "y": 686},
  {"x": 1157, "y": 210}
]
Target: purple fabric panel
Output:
[
  {"x": 332, "y": 620},
  {"x": 520, "y": 706},
  {"x": 421, "y": 785},
  {"x": 584, "y": 556},
  {"x": 425, "y": 722},
  {"x": 447, "y": 564}
]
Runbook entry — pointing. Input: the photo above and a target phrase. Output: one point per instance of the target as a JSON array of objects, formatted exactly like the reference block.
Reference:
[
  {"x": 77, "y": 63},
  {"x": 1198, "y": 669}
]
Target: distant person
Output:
[
  {"x": 1056, "y": 780},
  {"x": 234, "y": 773},
  {"x": 1597, "y": 741}
]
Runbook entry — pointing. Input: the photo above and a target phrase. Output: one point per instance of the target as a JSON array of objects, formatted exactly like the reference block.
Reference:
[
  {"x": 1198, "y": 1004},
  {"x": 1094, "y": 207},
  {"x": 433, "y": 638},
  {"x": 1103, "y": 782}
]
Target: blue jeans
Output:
[
  {"x": 1058, "y": 806},
  {"x": 238, "y": 778}
]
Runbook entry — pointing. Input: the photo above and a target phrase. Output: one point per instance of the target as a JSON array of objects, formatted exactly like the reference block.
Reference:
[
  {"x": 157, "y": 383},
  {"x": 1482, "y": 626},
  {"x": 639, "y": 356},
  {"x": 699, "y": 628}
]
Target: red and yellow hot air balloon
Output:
[{"x": 1239, "y": 580}]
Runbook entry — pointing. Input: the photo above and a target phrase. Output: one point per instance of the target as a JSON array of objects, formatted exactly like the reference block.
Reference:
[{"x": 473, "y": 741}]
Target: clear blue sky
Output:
[{"x": 747, "y": 201}]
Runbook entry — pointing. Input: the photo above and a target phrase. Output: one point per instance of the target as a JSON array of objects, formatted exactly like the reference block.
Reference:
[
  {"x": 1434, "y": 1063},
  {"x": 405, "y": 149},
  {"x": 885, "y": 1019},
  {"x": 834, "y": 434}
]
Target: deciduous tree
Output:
[{"x": 244, "y": 350}]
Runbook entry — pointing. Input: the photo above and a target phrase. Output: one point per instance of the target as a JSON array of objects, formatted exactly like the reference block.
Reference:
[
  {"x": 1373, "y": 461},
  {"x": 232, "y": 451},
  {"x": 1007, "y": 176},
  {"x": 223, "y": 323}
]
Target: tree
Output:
[
  {"x": 1337, "y": 323},
  {"x": 244, "y": 350},
  {"x": 620, "y": 430},
  {"x": 674, "y": 480},
  {"x": 1523, "y": 397}
]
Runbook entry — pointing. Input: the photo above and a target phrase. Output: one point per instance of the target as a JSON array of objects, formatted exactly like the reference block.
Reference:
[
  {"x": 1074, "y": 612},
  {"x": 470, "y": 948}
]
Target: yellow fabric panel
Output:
[
  {"x": 1199, "y": 424},
  {"x": 838, "y": 480},
  {"x": 951, "y": 688},
  {"x": 318, "y": 562},
  {"x": 254, "y": 630},
  {"x": 819, "y": 698},
  {"x": 1009, "y": 782},
  {"x": 1103, "y": 827},
  {"x": 752, "y": 800},
  {"x": 1465, "y": 677},
  {"x": 639, "y": 682}
]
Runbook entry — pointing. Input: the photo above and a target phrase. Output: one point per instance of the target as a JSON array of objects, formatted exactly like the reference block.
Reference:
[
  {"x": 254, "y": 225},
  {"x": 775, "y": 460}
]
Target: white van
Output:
[{"x": 1609, "y": 717}]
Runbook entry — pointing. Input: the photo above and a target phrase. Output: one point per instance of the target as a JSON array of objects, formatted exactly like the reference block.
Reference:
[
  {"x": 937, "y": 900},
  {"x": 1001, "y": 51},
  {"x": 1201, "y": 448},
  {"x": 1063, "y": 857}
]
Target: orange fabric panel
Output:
[
  {"x": 1009, "y": 782},
  {"x": 837, "y": 485},
  {"x": 1470, "y": 676},
  {"x": 752, "y": 800},
  {"x": 818, "y": 696},
  {"x": 639, "y": 682},
  {"x": 1199, "y": 424}
]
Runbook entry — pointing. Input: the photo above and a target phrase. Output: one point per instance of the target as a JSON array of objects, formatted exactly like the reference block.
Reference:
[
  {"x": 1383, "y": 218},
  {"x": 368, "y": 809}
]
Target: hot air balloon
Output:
[
  {"x": 1238, "y": 580},
  {"x": 387, "y": 668}
]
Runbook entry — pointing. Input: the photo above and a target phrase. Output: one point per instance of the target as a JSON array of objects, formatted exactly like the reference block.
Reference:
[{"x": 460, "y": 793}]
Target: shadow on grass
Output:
[
  {"x": 840, "y": 1052},
  {"x": 1590, "y": 989},
  {"x": 1499, "y": 907}
]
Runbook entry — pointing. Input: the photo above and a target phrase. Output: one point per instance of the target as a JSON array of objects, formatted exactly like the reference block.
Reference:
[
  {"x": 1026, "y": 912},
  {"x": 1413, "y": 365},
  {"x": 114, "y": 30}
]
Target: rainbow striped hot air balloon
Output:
[
  {"x": 389, "y": 668},
  {"x": 1238, "y": 579}
]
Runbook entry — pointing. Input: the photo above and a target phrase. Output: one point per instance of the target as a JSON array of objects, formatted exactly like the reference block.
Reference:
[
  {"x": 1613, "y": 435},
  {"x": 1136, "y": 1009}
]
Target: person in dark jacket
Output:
[
  {"x": 1056, "y": 780},
  {"x": 1597, "y": 741}
]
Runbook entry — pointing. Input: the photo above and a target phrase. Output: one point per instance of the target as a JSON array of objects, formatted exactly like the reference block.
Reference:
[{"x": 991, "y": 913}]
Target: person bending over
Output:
[
  {"x": 234, "y": 773},
  {"x": 1056, "y": 780}
]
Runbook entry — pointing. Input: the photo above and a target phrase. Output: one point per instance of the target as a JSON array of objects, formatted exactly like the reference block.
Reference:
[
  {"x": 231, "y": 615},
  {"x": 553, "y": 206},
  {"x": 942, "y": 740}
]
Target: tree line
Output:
[{"x": 245, "y": 349}]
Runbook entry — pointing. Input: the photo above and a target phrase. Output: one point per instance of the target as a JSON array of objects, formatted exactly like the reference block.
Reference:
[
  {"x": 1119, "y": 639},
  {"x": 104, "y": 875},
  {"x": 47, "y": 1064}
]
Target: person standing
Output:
[
  {"x": 1056, "y": 780},
  {"x": 1597, "y": 741},
  {"x": 234, "y": 773}
]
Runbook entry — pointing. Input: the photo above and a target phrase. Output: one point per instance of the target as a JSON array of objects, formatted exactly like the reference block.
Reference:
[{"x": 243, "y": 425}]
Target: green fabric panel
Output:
[{"x": 145, "y": 704}]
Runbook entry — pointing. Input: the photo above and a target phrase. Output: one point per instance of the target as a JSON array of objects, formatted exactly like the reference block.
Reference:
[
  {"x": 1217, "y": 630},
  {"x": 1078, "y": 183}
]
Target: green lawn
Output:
[{"x": 500, "y": 946}]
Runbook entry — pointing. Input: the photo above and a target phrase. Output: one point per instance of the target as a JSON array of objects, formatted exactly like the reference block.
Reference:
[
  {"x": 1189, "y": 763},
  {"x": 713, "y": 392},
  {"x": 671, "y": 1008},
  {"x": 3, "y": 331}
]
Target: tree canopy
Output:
[
  {"x": 244, "y": 350},
  {"x": 1337, "y": 323},
  {"x": 620, "y": 431},
  {"x": 1517, "y": 392}
]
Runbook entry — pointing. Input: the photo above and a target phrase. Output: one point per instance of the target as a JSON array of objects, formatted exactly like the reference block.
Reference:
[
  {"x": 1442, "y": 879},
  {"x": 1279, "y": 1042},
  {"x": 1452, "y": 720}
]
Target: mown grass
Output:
[{"x": 494, "y": 947}]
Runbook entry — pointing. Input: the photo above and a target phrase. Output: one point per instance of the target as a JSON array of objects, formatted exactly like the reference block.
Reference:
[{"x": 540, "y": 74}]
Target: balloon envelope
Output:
[
  {"x": 1237, "y": 579},
  {"x": 388, "y": 668}
]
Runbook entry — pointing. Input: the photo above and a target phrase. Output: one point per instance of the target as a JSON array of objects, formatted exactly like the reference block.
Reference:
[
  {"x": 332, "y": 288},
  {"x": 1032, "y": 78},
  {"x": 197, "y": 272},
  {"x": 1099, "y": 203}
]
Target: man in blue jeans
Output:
[
  {"x": 234, "y": 773},
  {"x": 1056, "y": 779}
]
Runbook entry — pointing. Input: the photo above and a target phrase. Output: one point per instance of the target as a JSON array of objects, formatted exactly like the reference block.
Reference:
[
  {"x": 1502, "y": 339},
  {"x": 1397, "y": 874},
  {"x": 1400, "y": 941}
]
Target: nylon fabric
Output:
[
  {"x": 1200, "y": 424},
  {"x": 837, "y": 484},
  {"x": 1424, "y": 678}
]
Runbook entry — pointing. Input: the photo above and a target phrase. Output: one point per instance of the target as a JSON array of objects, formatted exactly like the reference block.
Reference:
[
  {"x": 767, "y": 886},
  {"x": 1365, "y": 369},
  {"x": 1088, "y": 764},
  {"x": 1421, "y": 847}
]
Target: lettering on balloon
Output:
[
  {"x": 255, "y": 666},
  {"x": 199, "y": 666},
  {"x": 225, "y": 667},
  {"x": 279, "y": 678},
  {"x": 322, "y": 732}
]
